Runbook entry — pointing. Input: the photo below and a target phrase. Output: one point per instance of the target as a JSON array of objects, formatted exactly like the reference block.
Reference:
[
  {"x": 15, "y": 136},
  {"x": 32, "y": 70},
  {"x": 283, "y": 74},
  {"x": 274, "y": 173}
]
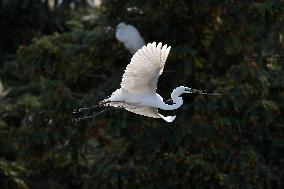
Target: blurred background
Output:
[{"x": 58, "y": 55}]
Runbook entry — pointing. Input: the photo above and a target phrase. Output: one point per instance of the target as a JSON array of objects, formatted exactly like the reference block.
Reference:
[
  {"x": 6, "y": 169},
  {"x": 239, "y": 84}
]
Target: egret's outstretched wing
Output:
[
  {"x": 141, "y": 75},
  {"x": 150, "y": 112}
]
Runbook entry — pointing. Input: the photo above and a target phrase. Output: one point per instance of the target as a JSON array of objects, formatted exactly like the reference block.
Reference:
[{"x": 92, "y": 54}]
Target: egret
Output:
[
  {"x": 139, "y": 84},
  {"x": 129, "y": 36}
]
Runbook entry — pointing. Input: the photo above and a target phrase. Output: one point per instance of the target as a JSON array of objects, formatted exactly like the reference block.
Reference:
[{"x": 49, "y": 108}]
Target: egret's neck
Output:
[{"x": 177, "y": 101}]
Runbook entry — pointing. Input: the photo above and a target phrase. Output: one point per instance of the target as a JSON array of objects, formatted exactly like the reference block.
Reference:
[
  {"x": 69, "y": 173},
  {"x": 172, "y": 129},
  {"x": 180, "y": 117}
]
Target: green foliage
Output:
[
  {"x": 235, "y": 140},
  {"x": 21, "y": 20},
  {"x": 10, "y": 175}
]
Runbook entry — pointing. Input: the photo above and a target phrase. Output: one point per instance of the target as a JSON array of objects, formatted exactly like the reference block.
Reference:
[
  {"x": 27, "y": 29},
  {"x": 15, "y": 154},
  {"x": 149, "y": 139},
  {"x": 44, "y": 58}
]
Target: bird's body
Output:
[
  {"x": 129, "y": 36},
  {"x": 137, "y": 92},
  {"x": 139, "y": 83},
  {"x": 147, "y": 99}
]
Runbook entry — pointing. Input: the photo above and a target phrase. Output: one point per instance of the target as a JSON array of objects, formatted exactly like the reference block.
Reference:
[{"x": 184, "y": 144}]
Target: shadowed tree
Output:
[{"x": 230, "y": 141}]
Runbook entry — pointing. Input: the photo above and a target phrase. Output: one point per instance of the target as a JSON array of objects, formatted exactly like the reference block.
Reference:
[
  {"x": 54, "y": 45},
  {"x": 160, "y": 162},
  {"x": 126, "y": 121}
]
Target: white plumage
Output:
[
  {"x": 129, "y": 36},
  {"x": 139, "y": 83}
]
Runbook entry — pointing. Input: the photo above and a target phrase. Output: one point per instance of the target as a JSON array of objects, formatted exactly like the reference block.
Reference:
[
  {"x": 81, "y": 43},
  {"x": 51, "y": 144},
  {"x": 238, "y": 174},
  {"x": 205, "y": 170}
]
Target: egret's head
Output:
[
  {"x": 182, "y": 89},
  {"x": 120, "y": 25}
]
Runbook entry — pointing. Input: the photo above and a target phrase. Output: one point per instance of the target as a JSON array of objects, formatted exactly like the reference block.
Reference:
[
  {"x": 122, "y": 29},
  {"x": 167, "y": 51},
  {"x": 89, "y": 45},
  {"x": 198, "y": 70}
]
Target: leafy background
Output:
[{"x": 53, "y": 61}]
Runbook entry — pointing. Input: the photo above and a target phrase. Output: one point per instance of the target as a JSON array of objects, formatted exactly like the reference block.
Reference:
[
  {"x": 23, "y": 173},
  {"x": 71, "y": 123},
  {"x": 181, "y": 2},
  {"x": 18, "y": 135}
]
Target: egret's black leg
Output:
[
  {"x": 87, "y": 108},
  {"x": 103, "y": 103},
  {"x": 92, "y": 116}
]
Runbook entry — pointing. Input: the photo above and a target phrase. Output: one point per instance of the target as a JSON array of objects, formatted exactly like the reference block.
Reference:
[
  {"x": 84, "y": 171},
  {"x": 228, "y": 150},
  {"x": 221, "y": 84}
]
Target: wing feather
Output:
[
  {"x": 150, "y": 112},
  {"x": 141, "y": 75}
]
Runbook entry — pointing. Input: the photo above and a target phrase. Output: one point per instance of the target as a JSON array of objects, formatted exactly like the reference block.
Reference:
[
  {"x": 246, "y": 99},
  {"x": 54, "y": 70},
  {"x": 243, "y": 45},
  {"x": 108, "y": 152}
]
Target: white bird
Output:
[
  {"x": 139, "y": 84},
  {"x": 94, "y": 3},
  {"x": 129, "y": 36}
]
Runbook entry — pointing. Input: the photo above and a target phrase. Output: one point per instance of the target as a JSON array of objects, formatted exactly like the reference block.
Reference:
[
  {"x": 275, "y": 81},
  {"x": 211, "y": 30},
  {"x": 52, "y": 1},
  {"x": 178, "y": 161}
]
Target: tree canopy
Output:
[{"x": 54, "y": 61}]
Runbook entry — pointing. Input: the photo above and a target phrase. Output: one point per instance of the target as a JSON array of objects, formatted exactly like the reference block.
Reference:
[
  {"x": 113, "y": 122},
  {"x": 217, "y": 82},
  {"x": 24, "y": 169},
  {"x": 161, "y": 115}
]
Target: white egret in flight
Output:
[
  {"x": 139, "y": 84},
  {"x": 129, "y": 36}
]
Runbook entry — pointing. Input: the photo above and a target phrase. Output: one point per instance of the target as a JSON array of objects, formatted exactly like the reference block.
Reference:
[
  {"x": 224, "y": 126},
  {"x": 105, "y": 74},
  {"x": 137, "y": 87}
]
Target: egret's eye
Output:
[{"x": 187, "y": 89}]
